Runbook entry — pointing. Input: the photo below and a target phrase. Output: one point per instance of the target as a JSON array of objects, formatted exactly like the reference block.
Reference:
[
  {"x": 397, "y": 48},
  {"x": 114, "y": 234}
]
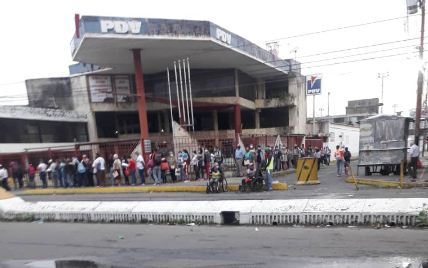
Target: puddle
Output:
[{"x": 71, "y": 263}]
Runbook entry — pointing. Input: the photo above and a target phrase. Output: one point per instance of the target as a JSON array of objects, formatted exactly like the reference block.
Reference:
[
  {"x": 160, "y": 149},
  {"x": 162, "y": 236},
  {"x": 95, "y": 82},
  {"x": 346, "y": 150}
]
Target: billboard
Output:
[
  {"x": 123, "y": 88},
  {"x": 313, "y": 85},
  {"x": 100, "y": 88}
]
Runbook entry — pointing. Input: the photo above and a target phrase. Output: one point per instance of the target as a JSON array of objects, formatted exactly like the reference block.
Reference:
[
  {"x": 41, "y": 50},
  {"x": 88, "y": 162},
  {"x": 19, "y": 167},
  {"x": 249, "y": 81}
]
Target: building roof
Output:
[
  {"x": 107, "y": 42},
  {"x": 40, "y": 114}
]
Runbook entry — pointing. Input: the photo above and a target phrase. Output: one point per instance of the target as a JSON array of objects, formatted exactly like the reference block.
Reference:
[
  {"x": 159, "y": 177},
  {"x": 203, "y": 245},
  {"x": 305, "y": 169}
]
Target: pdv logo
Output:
[{"x": 313, "y": 85}]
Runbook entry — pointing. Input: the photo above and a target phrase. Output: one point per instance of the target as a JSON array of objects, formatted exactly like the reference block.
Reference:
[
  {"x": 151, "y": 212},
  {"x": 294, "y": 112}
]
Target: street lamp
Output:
[
  {"x": 382, "y": 76},
  {"x": 412, "y": 8}
]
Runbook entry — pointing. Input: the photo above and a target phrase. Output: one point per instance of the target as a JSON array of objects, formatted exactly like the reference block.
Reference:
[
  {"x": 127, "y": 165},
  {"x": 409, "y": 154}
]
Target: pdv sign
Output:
[{"x": 313, "y": 85}]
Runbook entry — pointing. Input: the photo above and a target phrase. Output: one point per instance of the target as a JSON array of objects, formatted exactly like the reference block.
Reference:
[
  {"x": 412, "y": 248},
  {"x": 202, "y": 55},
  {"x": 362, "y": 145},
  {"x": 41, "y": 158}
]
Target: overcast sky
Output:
[{"x": 36, "y": 39}]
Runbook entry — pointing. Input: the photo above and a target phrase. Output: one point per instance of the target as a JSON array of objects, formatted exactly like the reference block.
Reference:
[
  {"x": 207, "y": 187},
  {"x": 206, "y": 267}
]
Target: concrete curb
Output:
[
  {"x": 400, "y": 211},
  {"x": 387, "y": 184},
  {"x": 136, "y": 189}
]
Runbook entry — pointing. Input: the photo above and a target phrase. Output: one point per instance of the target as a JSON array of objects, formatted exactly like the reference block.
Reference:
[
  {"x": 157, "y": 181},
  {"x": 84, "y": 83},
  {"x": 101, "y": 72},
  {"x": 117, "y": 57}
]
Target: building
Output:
[
  {"x": 363, "y": 106},
  {"x": 120, "y": 82}
]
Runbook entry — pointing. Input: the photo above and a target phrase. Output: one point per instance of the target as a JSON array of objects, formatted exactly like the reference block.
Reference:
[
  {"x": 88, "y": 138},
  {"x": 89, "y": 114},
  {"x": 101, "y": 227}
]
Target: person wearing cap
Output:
[
  {"x": 239, "y": 155},
  {"x": 3, "y": 177}
]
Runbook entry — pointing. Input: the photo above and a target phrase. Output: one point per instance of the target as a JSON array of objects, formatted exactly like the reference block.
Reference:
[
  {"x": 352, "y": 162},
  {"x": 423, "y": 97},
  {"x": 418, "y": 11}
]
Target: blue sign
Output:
[{"x": 313, "y": 85}]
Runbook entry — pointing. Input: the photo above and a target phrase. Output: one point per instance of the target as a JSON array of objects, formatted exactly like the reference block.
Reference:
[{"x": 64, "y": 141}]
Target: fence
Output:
[{"x": 163, "y": 142}]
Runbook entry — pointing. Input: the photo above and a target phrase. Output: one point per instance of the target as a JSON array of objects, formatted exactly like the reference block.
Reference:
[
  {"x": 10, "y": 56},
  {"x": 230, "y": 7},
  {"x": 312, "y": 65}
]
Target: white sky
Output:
[{"x": 36, "y": 37}]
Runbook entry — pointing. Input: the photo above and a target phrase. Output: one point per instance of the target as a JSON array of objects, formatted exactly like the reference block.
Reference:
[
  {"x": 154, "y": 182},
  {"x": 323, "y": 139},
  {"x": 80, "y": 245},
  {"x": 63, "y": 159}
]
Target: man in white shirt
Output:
[
  {"x": 140, "y": 167},
  {"x": 42, "y": 167},
  {"x": 414, "y": 157},
  {"x": 3, "y": 177},
  {"x": 99, "y": 166}
]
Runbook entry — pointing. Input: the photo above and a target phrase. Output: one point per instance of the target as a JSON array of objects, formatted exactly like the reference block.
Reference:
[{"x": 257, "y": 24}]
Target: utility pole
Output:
[
  {"x": 420, "y": 75},
  {"x": 382, "y": 76},
  {"x": 328, "y": 104}
]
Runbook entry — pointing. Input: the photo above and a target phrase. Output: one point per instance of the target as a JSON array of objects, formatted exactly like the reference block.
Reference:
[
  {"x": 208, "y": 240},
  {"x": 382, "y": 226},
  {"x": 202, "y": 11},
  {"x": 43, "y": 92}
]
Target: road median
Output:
[{"x": 136, "y": 189}]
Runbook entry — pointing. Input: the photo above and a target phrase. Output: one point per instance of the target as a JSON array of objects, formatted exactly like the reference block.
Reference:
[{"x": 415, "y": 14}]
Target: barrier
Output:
[
  {"x": 400, "y": 211},
  {"x": 307, "y": 171}
]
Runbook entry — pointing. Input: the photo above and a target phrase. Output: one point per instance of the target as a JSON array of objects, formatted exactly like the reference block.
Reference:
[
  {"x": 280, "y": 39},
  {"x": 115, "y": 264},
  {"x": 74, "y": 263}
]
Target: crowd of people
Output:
[{"x": 162, "y": 166}]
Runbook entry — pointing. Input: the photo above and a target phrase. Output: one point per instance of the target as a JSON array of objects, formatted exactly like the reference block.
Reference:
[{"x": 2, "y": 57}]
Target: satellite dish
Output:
[{"x": 412, "y": 6}]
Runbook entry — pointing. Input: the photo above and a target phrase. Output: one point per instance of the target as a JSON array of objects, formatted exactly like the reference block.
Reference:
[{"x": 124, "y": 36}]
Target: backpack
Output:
[{"x": 81, "y": 168}]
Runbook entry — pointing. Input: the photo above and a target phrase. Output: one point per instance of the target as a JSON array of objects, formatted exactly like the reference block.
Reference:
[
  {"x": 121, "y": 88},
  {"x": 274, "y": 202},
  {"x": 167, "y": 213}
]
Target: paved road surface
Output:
[
  {"x": 210, "y": 246},
  {"x": 331, "y": 187}
]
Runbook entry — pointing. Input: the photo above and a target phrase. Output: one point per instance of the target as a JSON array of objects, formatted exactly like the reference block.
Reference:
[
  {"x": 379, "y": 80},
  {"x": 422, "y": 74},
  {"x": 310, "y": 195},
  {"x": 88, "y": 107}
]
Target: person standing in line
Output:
[
  {"x": 347, "y": 157},
  {"x": 42, "y": 167},
  {"x": 157, "y": 169},
  {"x": 172, "y": 166},
  {"x": 31, "y": 175},
  {"x": 194, "y": 164},
  {"x": 239, "y": 155},
  {"x": 4, "y": 177},
  {"x": 124, "y": 169},
  {"x": 414, "y": 157},
  {"x": 81, "y": 173},
  {"x": 339, "y": 156},
  {"x": 117, "y": 166},
  {"x": 164, "y": 168},
  {"x": 132, "y": 169},
  {"x": 99, "y": 166},
  {"x": 61, "y": 176},
  {"x": 218, "y": 157},
  {"x": 140, "y": 167},
  {"x": 207, "y": 163},
  {"x": 13, "y": 168},
  {"x": 186, "y": 163},
  {"x": 259, "y": 157}
]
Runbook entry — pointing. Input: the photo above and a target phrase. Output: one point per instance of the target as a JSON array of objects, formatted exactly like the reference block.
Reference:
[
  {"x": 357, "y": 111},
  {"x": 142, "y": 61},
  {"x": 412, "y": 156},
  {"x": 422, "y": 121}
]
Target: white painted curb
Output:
[{"x": 258, "y": 212}]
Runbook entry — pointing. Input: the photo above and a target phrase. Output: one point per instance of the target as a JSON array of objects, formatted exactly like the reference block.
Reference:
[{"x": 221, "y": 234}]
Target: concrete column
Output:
[
  {"x": 236, "y": 83},
  {"x": 141, "y": 98},
  {"x": 237, "y": 120},
  {"x": 215, "y": 123},
  {"x": 215, "y": 120},
  {"x": 237, "y": 108},
  {"x": 166, "y": 120},
  {"x": 257, "y": 119},
  {"x": 261, "y": 89},
  {"x": 297, "y": 113}
]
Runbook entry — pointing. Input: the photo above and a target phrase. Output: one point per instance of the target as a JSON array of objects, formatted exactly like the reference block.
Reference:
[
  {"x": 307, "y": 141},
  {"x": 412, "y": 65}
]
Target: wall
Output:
[
  {"x": 350, "y": 138},
  {"x": 297, "y": 114},
  {"x": 20, "y": 147},
  {"x": 51, "y": 93},
  {"x": 80, "y": 98}
]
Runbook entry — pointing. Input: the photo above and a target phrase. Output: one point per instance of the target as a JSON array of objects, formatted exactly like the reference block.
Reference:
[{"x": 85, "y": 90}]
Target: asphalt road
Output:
[
  {"x": 331, "y": 187},
  {"x": 37, "y": 245}
]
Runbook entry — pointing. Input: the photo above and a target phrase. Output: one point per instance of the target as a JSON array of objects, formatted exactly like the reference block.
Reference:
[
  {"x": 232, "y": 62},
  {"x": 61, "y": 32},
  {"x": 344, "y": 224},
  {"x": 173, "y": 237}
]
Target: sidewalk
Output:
[{"x": 181, "y": 186}]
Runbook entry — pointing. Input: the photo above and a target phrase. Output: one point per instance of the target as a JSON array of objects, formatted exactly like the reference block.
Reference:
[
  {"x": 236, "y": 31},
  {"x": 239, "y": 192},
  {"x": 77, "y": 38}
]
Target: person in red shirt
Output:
[
  {"x": 31, "y": 174},
  {"x": 132, "y": 168},
  {"x": 340, "y": 160},
  {"x": 164, "y": 168}
]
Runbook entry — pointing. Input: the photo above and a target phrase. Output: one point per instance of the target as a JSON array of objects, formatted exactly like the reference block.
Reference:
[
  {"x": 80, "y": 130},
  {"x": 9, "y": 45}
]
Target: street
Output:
[
  {"x": 330, "y": 186},
  {"x": 123, "y": 245}
]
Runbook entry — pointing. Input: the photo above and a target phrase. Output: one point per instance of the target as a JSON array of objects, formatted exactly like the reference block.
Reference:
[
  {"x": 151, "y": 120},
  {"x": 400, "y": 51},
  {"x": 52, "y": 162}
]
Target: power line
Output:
[{"x": 338, "y": 28}]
